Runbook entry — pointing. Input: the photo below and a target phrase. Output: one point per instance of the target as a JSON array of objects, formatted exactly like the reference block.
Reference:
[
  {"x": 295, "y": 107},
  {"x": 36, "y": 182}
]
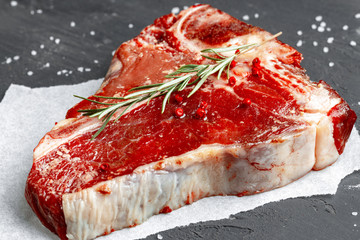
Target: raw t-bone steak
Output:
[{"x": 268, "y": 128}]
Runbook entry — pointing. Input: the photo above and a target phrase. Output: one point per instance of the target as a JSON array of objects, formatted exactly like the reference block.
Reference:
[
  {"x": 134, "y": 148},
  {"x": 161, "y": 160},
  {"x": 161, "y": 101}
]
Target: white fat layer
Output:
[
  {"x": 325, "y": 151},
  {"x": 49, "y": 143},
  {"x": 176, "y": 181}
]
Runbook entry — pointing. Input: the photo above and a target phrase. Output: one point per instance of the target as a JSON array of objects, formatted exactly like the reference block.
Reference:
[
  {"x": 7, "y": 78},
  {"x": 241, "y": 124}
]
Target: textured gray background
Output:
[{"x": 319, "y": 217}]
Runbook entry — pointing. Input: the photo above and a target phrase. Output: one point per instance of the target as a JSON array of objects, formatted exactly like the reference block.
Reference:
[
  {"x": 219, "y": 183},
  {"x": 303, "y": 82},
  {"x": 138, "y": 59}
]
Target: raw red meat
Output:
[{"x": 265, "y": 128}]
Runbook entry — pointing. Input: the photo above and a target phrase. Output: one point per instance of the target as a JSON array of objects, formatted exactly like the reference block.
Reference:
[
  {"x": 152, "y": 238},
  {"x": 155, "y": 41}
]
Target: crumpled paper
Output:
[{"x": 26, "y": 114}]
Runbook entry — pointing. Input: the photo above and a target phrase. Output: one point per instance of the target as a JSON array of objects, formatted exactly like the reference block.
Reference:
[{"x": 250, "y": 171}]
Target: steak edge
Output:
[{"x": 149, "y": 163}]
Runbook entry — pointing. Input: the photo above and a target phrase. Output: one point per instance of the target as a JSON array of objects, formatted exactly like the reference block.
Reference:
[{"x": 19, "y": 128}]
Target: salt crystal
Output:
[
  {"x": 185, "y": 7},
  {"x": 47, "y": 64},
  {"x": 358, "y": 103},
  {"x": 357, "y": 15},
  {"x": 299, "y": 43},
  {"x": 39, "y": 11},
  {"x": 328, "y": 29},
  {"x": 16, "y": 58},
  {"x": 355, "y": 225},
  {"x": 30, "y": 73},
  {"x": 345, "y": 27},
  {"x": 326, "y": 49},
  {"x": 13, "y": 3},
  {"x": 313, "y": 26},
  {"x": 113, "y": 52},
  {"x": 352, "y": 43},
  {"x": 318, "y": 18},
  {"x": 330, "y": 40},
  {"x": 32, "y": 12},
  {"x": 33, "y": 52},
  {"x": 92, "y": 33},
  {"x": 57, "y": 41},
  {"x": 175, "y": 10},
  {"x": 42, "y": 46},
  {"x": 96, "y": 61},
  {"x": 131, "y": 25},
  {"x": 331, "y": 64},
  {"x": 323, "y": 24},
  {"x": 246, "y": 17},
  {"x": 315, "y": 43},
  {"x": 80, "y": 69},
  {"x": 256, "y": 15},
  {"x": 58, "y": 73},
  {"x": 51, "y": 38},
  {"x": 70, "y": 72},
  {"x": 8, "y": 61},
  {"x": 72, "y": 24},
  {"x": 87, "y": 69},
  {"x": 354, "y": 213},
  {"x": 159, "y": 236},
  {"x": 321, "y": 29},
  {"x": 64, "y": 71},
  {"x": 299, "y": 32}
]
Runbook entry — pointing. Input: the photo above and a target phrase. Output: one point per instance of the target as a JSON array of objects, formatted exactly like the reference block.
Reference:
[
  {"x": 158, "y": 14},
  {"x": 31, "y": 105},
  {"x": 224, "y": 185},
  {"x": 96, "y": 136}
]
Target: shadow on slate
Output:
[{"x": 319, "y": 217}]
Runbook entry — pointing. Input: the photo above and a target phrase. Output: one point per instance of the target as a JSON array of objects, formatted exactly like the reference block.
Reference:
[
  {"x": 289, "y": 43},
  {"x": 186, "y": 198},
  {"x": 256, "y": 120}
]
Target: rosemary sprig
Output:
[{"x": 181, "y": 78}]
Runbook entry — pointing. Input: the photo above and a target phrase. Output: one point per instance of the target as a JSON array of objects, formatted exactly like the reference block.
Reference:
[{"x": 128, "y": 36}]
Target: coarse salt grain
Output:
[
  {"x": 175, "y": 10},
  {"x": 42, "y": 46},
  {"x": 51, "y": 38},
  {"x": 330, "y": 40},
  {"x": 92, "y": 33},
  {"x": 32, "y": 12},
  {"x": 313, "y": 26},
  {"x": 185, "y": 7},
  {"x": 256, "y": 15},
  {"x": 299, "y": 32},
  {"x": 58, "y": 73},
  {"x": 325, "y": 49},
  {"x": 30, "y": 73},
  {"x": 113, "y": 52},
  {"x": 8, "y": 61},
  {"x": 323, "y": 24},
  {"x": 16, "y": 58},
  {"x": 39, "y": 11},
  {"x": 299, "y": 43},
  {"x": 355, "y": 225},
  {"x": 321, "y": 29},
  {"x": 354, "y": 213},
  {"x": 246, "y": 17},
  {"x": 33, "y": 52},
  {"x": 57, "y": 41},
  {"x": 47, "y": 64},
  {"x": 315, "y": 43},
  {"x": 318, "y": 18},
  {"x": 131, "y": 25},
  {"x": 352, "y": 43},
  {"x": 87, "y": 69},
  {"x": 328, "y": 29},
  {"x": 331, "y": 64},
  {"x": 80, "y": 69},
  {"x": 13, "y": 3},
  {"x": 72, "y": 24},
  {"x": 64, "y": 71},
  {"x": 357, "y": 15},
  {"x": 96, "y": 61},
  {"x": 345, "y": 27},
  {"x": 159, "y": 236}
]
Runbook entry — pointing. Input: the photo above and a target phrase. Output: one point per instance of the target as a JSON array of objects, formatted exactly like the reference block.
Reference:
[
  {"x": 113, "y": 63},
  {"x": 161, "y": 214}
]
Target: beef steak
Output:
[{"x": 268, "y": 128}]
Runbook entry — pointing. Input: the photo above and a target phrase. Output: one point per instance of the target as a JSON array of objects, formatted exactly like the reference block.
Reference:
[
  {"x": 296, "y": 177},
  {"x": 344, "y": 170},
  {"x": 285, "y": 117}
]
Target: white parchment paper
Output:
[{"x": 27, "y": 114}]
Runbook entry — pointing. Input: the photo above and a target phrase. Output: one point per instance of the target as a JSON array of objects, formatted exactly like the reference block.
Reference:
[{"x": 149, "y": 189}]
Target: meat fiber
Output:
[{"x": 270, "y": 128}]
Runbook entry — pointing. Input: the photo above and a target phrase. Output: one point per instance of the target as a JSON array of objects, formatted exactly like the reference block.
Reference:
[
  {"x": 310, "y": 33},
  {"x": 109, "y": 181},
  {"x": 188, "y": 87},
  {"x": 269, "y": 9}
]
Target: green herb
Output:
[{"x": 181, "y": 78}]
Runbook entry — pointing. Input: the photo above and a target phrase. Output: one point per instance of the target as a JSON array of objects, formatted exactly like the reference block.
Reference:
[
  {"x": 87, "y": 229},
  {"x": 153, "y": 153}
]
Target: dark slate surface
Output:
[{"x": 32, "y": 23}]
